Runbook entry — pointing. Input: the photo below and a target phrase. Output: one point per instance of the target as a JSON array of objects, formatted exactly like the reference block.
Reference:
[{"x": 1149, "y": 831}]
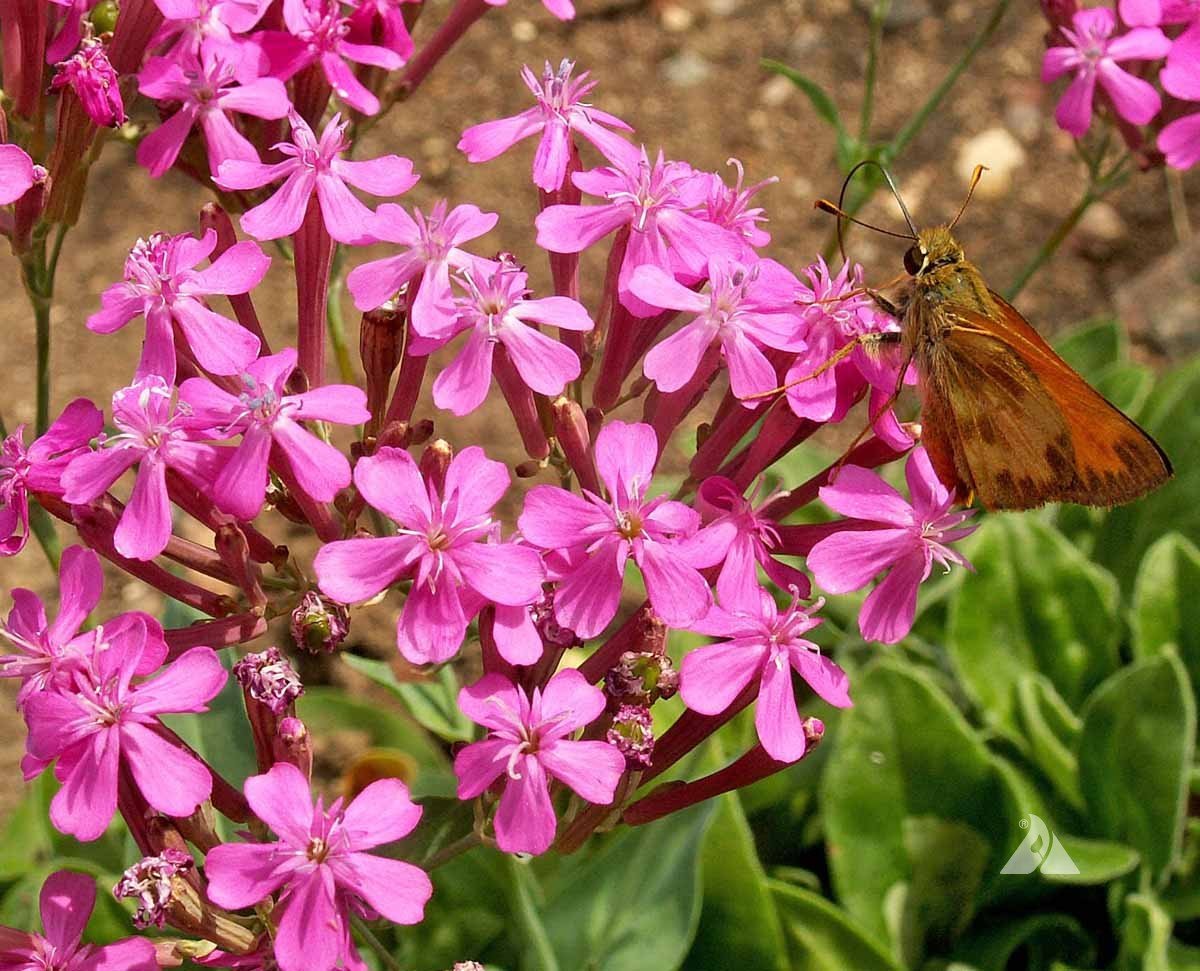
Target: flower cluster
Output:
[{"x": 1113, "y": 58}]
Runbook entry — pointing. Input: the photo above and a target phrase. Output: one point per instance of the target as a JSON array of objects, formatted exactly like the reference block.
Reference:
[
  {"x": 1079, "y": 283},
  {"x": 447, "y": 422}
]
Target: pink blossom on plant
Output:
[
  {"x": 162, "y": 282},
  {"x": 765, "y": 643},
  {"x": 432, "y": 250},
  {"x": 913, "y": 534},
  {"x": 729, "y": 206},
  {"x": 560, "y": 110},
  {"x": 207, "y": 89},
  {"x": 89, "y": 74},
  {"x": 317, "y": 166},
  {"x": 1179, "y": 141},
  {"x": 382, "y": 19},
  {"x": 600, "y": 536},
  {"x": 497, "y": 311},
  {"x": 1180, "y": 76},
  {"x": 70, "y": 28},
  {"x": 264, "y": 414},
  {"x": 1094, "y": 55},
  {"x": 155, "y": 437},
  {"x": 66, "y": 902},
  {"x": 317, "y": 34},
  {"x": 39, "y": 467},
  {"x": 208, "y": 26},
  {"x": 321, "y": 864},
  {"x": 562, "y": 9},
  {"x": 528, "y": 744},
  {"x": 441, "y": 547},
  {"x": 747, "y": 307},
  {"x": 101, "y": 722},
  {"x": 659, "y": 205},
  {"x": 17, "y": 173}
]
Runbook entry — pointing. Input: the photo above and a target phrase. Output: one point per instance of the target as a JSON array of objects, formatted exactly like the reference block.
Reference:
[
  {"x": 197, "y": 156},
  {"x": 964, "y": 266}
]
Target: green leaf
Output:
[
  {"x": 821, "y": 937},
  {"x": 820, "y": 100},
  {"x": 1092, "y": 347},
  {"x": 1035, "y": 603},
  {"x": 632, "y": 902},
  {"x": 1135, "y": 752},
  {"x": 432, "y": 703},
  {"x": 1098, "y": 861},
  {"x": 1043, "y": 937},
  {"x": 28, "y": 835},
  {"x": 739, "y": 926},
  {"x": 1145, "y": 936},
  {"x": 1166, "y": 608},
  {"x": 905, "y": 752},
  {"x": 1050, "y": 731}
]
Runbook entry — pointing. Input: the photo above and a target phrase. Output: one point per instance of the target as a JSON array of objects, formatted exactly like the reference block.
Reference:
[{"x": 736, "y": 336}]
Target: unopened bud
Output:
[
  {"x": 319, "y": 624},
  {"x": 575, "y": 439},
  {"x": 641, "y": 677},
  {"x": 103, "y": 17},
  {"x": 814, "y": 730},
  {"x": 632, "y": 732},
  {"x": 380, "y": 338},
  {"x": 551, "y": 631},
  {"x": 294, "y": 744},
  {"x": 152, "y": 884},
  {"x": 435, "y": 460},
  {"x": 467, "y": 966},
  {"x": 269, "y": 678}
]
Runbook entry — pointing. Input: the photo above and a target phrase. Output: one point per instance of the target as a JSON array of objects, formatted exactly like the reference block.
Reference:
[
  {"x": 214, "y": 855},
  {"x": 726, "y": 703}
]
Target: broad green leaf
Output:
[
  {"x": 1166, "y": 607},
  {"x": 1145, "y": 936},
  {"x": 904, "y": 751},
  {"x": 820, "y": 100},
  {"x": 432, "y": 703},
  {"x": 1098, "y": 861},
  {"x": 821, "y": 937},
  {"x": 1050, "y": 731},
  {"x": 1035, "y": 603},
  {"x": 1135, "y": 752},
  {"x": 1043, "y": 937},
  {"x": 633, "y": 901},
  {"x": 739, "y": 927}
]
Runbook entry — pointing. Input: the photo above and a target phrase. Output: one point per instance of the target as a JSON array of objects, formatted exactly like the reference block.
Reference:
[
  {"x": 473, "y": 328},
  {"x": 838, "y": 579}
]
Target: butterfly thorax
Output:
[{"x": 941, "y": 280}]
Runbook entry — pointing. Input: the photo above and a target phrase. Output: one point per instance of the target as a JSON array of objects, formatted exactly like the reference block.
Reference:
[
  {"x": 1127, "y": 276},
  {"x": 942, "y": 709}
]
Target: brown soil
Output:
[{"x": 687, "y": 76}]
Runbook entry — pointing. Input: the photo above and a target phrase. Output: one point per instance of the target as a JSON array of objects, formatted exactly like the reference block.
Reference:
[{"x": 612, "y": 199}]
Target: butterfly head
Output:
[{"x": 934, "y": 249}]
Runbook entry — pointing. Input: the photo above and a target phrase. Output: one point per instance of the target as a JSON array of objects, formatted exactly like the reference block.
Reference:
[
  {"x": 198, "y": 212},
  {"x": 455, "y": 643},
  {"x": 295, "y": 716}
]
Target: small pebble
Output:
[
  {"x": 999, "y": 150},
  {"x": 686, "y": 69},
  {"x": 524, "y": 31}
]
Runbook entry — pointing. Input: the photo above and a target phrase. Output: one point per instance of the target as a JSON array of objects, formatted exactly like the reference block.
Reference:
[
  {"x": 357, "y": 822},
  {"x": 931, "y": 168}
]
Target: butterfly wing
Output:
[{"x": 1018, "y": 426}]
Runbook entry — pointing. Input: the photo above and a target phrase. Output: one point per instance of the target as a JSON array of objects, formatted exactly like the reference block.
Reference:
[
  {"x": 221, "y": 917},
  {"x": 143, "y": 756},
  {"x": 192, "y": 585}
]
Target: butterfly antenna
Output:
[
  {"x": 840, "y": 211},
  {"x": 826, "y": 206},
  {"x": 975, "y": 177}
]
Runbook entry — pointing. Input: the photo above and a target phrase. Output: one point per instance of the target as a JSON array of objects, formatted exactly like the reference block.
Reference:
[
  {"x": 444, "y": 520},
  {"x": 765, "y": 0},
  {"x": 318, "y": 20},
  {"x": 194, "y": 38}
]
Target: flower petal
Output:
[
  {"x": 775, "y": 716},
  {"x": 850, "y": 559},
  {"x": 887, "y": 613},
  {"x": 171, "y": 779},
  {"x": 592, "y": 769},
  {"x": 398, "y": 890},
  {"x": 525, "y": 820},
  {"x": 382, "y": 813},
  {"x": 352, "y": 570},
  {"x": 66, "y": 903},
  {"x": 711, "y": 677}
]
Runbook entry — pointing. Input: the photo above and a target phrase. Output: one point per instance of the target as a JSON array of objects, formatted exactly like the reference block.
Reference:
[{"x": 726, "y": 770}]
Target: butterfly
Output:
[{"x": 1004, "y": 419}]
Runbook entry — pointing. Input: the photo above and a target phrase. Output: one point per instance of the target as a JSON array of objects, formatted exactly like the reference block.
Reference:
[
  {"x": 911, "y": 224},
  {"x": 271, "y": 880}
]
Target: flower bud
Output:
[
  {"x": 380, "y": 338},
  {"x": 632, "y": 732},
  {"x": 152, "y": 883},
  {"x": 294, "y": 745},
  {"x": 90, "y": 75},
  {"x": 270, "y": 679},
  {"x": 319, "y": 624},
  {"x": 574, "y": 438},
  {"x": 435, "y": 460}
]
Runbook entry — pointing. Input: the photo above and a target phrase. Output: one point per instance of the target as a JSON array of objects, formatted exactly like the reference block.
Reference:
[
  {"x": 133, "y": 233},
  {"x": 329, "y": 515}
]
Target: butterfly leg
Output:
[{"x": 876, "y": 341}]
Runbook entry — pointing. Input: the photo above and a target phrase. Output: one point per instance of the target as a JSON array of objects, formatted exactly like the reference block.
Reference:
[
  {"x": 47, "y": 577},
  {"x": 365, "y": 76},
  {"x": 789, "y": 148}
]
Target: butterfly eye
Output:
[{"x": 913, "y": 260}]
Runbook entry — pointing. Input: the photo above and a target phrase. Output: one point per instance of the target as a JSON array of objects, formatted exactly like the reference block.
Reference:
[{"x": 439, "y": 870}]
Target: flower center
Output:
[
  {"x": 629, "y": 524},
  {"x": 317, "y": 849}
]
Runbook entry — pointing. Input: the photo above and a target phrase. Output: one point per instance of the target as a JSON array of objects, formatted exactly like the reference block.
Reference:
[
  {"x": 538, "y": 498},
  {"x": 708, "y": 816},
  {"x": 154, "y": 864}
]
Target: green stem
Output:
[
  {"x": 1047, "y": 250},
  {"x": 878, "y": 12},
  {"x": 450, "y": 850},
  {"x": 41, "y": 317},
  {"x": 374, "y": 943},
  {"x": 528, "y": 919}
]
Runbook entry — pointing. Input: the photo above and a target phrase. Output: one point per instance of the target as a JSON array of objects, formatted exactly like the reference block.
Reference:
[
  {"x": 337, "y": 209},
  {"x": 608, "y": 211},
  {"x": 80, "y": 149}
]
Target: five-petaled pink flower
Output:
[
  {"x": 265, "y": 414},
  {"x": 529, "y": 742},
  {"x": 39, "y": 467},
  {"x": 560, "y": 110},
  {"x": 162, "y": 282},
  {"x": 746, "y": 306},
  {"x": 17, "y": 173},
  {"x": 768, "y": 644},
  {"x": 321, "y": 864},
  {"x": 101, "y": 722},
  {"x": 1092, "y": 56},
  {"x": 432, "y": 251},
  {"x": 155, "y": 437},
  {"x": 317, "y": 166},
  {"x": 66, "y": 902},
  {"x": 441, "y": 545},
  {"x": 658, "y": 203},
  {"x": 207, "y": 89},
  {"x": 912, "y": 535},
  {"x": 496, "y": 311},
  {"x": 600, "y": 535}
]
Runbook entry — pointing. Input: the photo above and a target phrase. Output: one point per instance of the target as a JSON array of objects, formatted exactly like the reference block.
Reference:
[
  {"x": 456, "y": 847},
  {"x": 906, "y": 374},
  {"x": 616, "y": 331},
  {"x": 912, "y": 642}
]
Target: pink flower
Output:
[
  {"x": 912, "y": 536},
  {"x": 382, "y": 19},
  {"x": 51, "y": 650},
  {"x": 102, "y": 722},
  {"x": 763, "y": 643},
  {"x": 265, "y": 414},
  {"x": 528, "y": 742},
  {"x": 829, "y": 325},
  {"x": 39, "y": 467},
  {"x": 161, "y": 282},
  {"x": 497, "y": 312},
  {"x": 657, "y": 203},
  {"x": 66, "y": 902},
  {"x": 746, "y": 306},
  {"x": 560, "y": 110},
  {"x": 320, "y": 863},
  {"x": 88, "y": 73},
  {"x": 1180, "y": 141},
  {"x": 432, "y": 250},
  {"x": 17, "y": 173},
  {"x": 746, "y": 540},
  {"x": 154, "y": 437},
  {"x": 440, "y": 546},
  {"x": 206, "y": 89},
  {"x": 317, "y": 32},
  {"x": 317, "y": 166},
  {"x": 729, "y": 207},
  {"x": 599, "y": 536},
  {"x": 562, "y": 9},
  {"x": 1094, "y": 55},
  {"x": 208, "y": 26}
]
